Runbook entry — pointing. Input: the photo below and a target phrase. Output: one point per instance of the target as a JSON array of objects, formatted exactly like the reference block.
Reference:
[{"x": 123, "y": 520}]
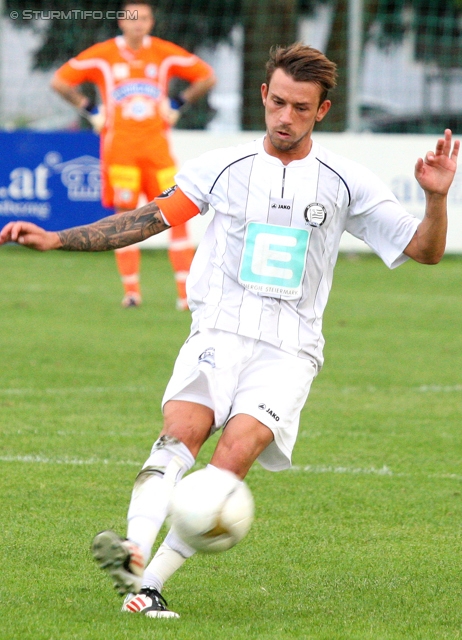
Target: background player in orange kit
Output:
[{"x": 132, "y": 73}]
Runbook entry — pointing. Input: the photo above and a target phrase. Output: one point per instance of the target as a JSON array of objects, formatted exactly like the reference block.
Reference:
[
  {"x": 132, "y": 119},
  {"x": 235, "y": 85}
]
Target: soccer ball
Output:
[{"x": 211, "y": 510}]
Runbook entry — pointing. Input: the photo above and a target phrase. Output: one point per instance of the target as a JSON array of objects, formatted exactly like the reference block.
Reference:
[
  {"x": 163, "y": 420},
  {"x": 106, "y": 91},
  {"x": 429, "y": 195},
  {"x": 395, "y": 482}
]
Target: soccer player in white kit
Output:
[{"x": 257, "y": 290}]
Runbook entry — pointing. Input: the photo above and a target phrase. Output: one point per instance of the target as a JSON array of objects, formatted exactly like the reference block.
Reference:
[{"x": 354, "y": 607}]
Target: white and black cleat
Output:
[{"x": 150, "y": 603}]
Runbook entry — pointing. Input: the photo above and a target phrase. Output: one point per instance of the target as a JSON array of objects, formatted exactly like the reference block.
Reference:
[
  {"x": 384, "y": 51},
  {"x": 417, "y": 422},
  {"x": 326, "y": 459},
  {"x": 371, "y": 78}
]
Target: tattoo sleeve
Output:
[{"x": 113, "y": 232}]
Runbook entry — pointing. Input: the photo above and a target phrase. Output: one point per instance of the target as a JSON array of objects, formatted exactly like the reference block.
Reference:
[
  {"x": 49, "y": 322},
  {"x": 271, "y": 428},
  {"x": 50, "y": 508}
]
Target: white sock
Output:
[
  {"x": 152, "y": 490},
  {"x": 170, "y": 556}
]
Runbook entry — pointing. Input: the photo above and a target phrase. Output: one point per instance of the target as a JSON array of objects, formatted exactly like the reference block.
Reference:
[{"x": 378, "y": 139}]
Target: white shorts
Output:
[{"x": 233, "y": 374}]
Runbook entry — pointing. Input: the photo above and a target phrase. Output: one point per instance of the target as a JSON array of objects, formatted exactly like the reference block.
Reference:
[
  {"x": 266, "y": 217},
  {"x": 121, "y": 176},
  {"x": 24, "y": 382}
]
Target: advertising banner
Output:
[{"x": 51, "y": 179}]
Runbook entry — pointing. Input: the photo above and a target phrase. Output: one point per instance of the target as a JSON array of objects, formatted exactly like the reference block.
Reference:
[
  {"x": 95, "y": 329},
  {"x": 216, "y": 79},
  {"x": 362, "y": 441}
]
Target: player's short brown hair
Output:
[
  {"x": 145, "y": 3},
  {"x": 304, "y": 64}
]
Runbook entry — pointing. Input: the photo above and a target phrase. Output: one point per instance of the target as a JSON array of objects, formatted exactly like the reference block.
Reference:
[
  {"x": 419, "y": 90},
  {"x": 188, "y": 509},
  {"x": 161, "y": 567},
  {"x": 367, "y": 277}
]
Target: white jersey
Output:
[{"x": 264, "y": 267}]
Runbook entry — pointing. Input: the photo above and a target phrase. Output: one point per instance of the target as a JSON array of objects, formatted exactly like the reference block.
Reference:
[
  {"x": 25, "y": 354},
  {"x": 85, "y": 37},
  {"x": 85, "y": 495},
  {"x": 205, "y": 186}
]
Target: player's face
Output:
[
  {"x": 141, "y": 25},
  {"x": 291, "y": 110}
]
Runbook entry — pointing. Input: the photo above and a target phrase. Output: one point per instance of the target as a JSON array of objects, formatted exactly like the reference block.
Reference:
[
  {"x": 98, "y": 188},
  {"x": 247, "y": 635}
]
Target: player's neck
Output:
[
  {"x": 286, "y": 156},
  {"x": 135, "y": 43}
]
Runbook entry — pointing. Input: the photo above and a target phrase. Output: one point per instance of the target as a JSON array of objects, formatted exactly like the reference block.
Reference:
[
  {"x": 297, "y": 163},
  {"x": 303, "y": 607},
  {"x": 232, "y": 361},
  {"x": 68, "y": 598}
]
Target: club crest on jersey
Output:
[
  {"x": 151, "y": 70},
  {"x": 168, "y": 192},
  {"x": 315, "y": 214}
]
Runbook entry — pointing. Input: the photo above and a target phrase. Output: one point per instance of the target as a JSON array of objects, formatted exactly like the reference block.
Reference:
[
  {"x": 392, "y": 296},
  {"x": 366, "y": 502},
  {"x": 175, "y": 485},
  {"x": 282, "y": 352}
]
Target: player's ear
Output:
[
  {"x": 323, "y": 109},
  {"x": 264, "y": 93}
]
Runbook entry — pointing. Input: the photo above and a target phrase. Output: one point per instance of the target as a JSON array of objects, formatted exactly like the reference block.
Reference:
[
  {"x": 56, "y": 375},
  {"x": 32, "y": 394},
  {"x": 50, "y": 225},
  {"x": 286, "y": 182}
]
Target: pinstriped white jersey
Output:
[{"x": 264, "y": 267}]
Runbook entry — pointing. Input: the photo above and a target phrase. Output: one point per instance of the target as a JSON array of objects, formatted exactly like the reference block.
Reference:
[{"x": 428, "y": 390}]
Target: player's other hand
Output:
[
  {"x": 436, "y": 171},
  {"x": 29, "y": 235},
  {"x": 170, "y": 109},
  {"x": 96, "y": 116}
]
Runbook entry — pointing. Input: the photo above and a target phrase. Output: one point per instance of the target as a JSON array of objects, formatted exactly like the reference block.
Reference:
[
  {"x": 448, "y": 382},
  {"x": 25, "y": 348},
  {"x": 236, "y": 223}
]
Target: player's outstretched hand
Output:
[
  {"x": 436, "y": 172},
  {"x": 29, "y": 235}
]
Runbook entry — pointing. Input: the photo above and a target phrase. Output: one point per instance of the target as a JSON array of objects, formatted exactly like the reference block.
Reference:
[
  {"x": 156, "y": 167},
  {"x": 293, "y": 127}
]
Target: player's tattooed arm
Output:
[{"x": 113, "y": 232}]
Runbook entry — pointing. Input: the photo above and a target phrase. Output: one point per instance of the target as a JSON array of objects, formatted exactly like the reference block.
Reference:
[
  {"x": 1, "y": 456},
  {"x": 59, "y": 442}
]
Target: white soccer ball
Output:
[{"x": 211, "y": 510}]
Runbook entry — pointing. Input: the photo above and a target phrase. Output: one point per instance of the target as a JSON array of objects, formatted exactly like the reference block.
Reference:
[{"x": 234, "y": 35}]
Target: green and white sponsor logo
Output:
[{"x": 273, "y": 260}]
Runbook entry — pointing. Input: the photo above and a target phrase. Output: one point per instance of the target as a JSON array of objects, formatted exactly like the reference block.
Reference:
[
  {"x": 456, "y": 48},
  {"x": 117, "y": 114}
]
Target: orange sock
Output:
[
  {"x": 180, "y": 252},
  {"x": 128, "y": 262}
]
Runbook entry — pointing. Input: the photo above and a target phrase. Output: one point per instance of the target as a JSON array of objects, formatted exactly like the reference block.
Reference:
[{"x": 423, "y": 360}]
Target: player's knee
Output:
[
  {"x": 244, "y": 432},
  {"x": 237, "y": 455},
  {"x": 188, "y": 422}
]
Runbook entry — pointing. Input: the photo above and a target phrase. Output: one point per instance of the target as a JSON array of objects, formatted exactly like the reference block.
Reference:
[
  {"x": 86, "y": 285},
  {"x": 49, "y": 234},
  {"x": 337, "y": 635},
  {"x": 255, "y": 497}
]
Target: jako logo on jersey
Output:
[
  {"x": 208, "y": 356},
  {"x": 315, "y": 214},
  {"x": 168, "y": 192},
  {"x": 270, "y": 411},
  {"x": 281, "y": 206}
]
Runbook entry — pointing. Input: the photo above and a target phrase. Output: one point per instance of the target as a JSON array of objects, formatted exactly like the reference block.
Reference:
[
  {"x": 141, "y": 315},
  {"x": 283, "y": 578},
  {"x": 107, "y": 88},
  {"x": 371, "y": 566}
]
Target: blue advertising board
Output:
[{"x": 51, "y": 179}]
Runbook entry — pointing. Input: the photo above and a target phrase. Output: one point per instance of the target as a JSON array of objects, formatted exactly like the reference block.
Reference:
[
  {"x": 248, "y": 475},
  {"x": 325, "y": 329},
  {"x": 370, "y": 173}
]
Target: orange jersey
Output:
[{"x": 134, "y": 84}]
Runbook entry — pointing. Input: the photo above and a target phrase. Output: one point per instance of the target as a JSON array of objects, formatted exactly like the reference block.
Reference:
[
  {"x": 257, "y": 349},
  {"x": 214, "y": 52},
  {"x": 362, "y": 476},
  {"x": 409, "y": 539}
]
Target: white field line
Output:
[
  {"x": 312, "y": 469},
  {"x": 381, "y": 471},
  {"x": 59, "y": 391},
  {"x": 74, "y": 391},
  {"x": 424, "y": 388},
  {"x": 434, "y": 388},
  {"x": 309, "y": 468},
  {"x": 69, "y": 461}
]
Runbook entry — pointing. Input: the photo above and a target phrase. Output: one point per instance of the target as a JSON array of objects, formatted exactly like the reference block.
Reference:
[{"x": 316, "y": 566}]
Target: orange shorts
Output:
[{"x": 129, "y": 171}]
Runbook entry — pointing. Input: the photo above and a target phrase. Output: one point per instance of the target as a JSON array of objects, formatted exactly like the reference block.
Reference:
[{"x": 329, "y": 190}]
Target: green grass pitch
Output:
[{"x": 360, "y": 540}]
